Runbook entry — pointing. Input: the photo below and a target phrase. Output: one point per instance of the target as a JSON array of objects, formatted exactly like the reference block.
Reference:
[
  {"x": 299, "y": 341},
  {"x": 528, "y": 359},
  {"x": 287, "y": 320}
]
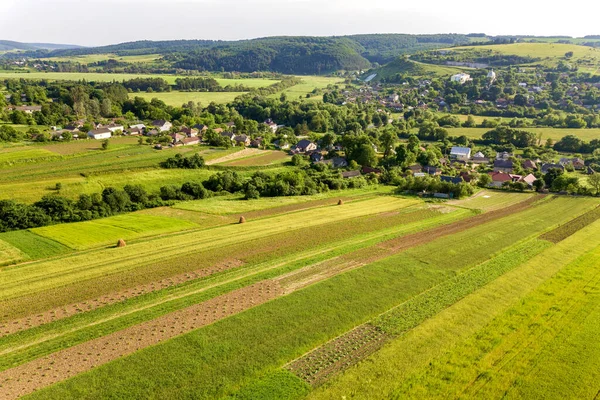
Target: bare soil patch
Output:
[{"x": 27, "y": 378}]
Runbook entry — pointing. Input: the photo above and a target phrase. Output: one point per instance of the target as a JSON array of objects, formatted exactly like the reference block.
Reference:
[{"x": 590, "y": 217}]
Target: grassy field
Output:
[
  {"x": 83, "y": 235},
  {"x": 539, "y": 50},
  {"x": 102, "y": 77},
  {"x": 93, "y": 58},
  {"x": 309, "y": 83},
  {"x": 176, "y": 99}
]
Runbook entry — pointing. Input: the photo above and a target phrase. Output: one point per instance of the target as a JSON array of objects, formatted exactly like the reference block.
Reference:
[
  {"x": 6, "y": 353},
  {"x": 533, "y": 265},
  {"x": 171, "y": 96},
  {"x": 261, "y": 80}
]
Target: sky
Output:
[{"x": 102, "y": 22}]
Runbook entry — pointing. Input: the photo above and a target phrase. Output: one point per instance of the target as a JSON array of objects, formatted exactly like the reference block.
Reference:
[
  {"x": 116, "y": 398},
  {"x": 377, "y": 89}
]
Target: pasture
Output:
[
  {"x": 309, "y": 83},
  {"x": 544, "y": 133},
  {"x": 539, "y": 50}
]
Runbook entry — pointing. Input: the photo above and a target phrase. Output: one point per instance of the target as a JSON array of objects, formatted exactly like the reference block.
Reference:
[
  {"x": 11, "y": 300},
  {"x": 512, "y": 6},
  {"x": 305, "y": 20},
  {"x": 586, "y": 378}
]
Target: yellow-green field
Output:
[
  {"x": 93, "y": 58},
  {"x": 309, "y": 83},
  {"x": 546, "y": 133},
  {"x": 83, "y": 235},
  {"x": 539, "y": 50},
  {"x": 176, "y": 99},
  {"x": 102, "y": 77}
]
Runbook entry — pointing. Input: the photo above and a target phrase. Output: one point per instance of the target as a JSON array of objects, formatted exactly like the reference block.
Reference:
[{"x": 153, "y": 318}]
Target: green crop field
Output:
[
  {"x": 82, "y": 235},
  {"x": 308, "y": 84},
  {"x": 93, "y": 58},
  {"x": 540, "y": 50}
]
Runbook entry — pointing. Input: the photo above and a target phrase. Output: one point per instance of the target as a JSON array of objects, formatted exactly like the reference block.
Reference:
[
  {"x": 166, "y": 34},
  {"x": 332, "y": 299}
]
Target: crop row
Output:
[{"x": 566, "y": 230}]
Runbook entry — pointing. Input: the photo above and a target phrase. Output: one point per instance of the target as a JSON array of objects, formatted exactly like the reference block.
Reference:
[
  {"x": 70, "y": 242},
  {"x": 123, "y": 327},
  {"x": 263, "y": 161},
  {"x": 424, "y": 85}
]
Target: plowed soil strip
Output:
[
  {"x": 318, "y": 365},
  {"x": 10, "y": 327},
  {"x": 67, "y": 363},
  {"x": 566, "y": 230}
]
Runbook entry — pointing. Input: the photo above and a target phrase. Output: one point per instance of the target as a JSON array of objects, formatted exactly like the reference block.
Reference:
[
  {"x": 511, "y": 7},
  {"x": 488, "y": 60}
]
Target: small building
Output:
[
  {"x": 272, "y": 125},
  {"x": 460, "y": 153},
  {"x": 461, "y": 78},
  {"x": 503, "y": 166},
  {"x": 177, "y": 137},
  {"x": 432, "y": 170},
  {"x": 415, "y": 168},
  {"x": 100, "y": 134},
  {"x": 451, "y": 179},
  {"x": 229, "y": 135},
  {"x": 258, "y": 142},
  {"x": 528, "y": 164},
  {"x": 529, "y": 180},
  {"x": 504, "y": 155},
  {"x": 162, "y": 125},
  {"x": 549, "y": 166},
  {"x": 115, "y": 127},
  {"x": 27, "y": 109},
  {"x": 499, "y": 178},
  {"x": 304, "y": 146},
  {"x": 188, "y": 141},
  {"x": 480, "y": 160},
  {"x": 189, "y": 132},
  {"x": 242, "y": 139},
  {"x": 139, "y": 127}
]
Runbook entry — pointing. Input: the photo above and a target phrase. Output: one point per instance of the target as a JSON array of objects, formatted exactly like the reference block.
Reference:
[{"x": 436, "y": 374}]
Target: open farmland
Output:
[
  {"x": 399, "y": 269},
  {"x": 119, "y": 77},
  {"x": 546, "y": 133},
  {"x": 309, "y": 83}
]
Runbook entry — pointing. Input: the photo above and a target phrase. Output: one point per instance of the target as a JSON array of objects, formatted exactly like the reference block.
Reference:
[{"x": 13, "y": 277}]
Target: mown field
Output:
[
  {"x": 382, "y": 296},
  {"x": 176, "y": 99},
  {"x": 546, "y": 133}
]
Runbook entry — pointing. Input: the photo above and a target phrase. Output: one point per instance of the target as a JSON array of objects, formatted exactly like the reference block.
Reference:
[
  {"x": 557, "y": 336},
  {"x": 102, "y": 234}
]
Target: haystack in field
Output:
[
  {"x": 340, "y": 202},
  {"x": 121, "y": 243},
  {"x": 242, "y": 219}
]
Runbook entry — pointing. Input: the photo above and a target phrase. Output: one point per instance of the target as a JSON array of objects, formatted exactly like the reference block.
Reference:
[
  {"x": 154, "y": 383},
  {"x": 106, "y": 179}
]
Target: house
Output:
[
  {"x": 189, "y": 132},
  {"x": 461, "y": 78},
  {"x": 115, "y": 127},
  {"x": 316, "y": 157},
  {"x": 480, "y": 160},
  {"x": 432, "y": 170},
  {"x": 529, "y": 180},
  {"x": 258, "y": 142},
  {"x": 303, "y": 146},
  {"x": 136, "y": 131},
  {"x": 498, "y": 179},
  {"x": 576, "y": 162},
  {"x": 188, "y": 141},
  {"x": 272, "y": 125},
  {"x": 451, "y": 179},
  {"x": 415, "y": 168},
  {"x": 350, "y": 174},
  {"x": 336, "y": 162},
  {"x": 229, "y": 135},
  {"x": 242, "y": 139},
  {"x": 528, "y": 164},
  {"x": 548, "y": 167},
  {"x": 230, "y": 125},
  {"x": 162, "y": 125},
  {"x": 99, "y": 134},
  {"x": 479, "y": 155},
  {"x": 281, "y": 145},
  {"x": 139, "y": 127},
  {"x": 460, "y": 153},
  {"x": 177, "y": 137},
  {"x": 503, "y": 166},
  {"x": 201, "y": 128}
]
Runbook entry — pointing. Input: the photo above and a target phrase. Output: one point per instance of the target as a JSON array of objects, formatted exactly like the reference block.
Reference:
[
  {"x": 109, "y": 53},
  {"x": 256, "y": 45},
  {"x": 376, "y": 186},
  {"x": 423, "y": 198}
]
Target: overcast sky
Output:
[{"x": 100, "y": 22}]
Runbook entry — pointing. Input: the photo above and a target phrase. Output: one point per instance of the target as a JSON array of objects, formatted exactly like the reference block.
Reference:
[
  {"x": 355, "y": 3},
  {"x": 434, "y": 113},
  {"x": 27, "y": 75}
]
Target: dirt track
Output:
[{"x": 67, "y": 363}]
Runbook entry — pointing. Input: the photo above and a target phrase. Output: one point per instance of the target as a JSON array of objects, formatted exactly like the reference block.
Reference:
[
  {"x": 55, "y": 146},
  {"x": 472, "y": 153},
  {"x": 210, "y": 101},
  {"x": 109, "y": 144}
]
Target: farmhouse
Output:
[
  {"x": 451, "y": 179},
  {"x": 415, "y": 168},
  {"x": 177, "y": 137},
  {"x": 528, "y": 164},
  {"x": 242, "y": 139},
  {"x": 304, "y": 146},
  {"x": 257, "y": 142},
  {"x": 498, "y": 179},
  {"x": 548, "y": 167},
  {"x": 114, "y": 127},
  {"x": 139, "y": 127},
  {"x": 460, "y": 153},
  {"x": 350, "y": 174},
  {"x": 336, "y": 162},
  {"x": 432, "y": 170},
  {"x": 188, "y": 141},
  {"x": 162, "y": 125},
  {"x": 576, "y": 162},
  {"x": 99, "y": 134},
  {"x": 190, "y": 132},
  {"x": 529, "y": 179},
  {"x": 229, "y": 135},
  {"x": 272, "y": 125},
  {"x": 27, "y": 109}
]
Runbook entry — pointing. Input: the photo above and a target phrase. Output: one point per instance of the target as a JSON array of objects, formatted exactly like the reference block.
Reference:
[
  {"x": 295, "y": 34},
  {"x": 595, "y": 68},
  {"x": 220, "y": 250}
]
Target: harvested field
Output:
[
  {"x": 489, "y": 200},
  {"x": 10, "y": 327},
  {"x": 271, "y": 157},
  {"x": 246, "y": 152},
  {"x": 320, "y": 364},
  {"x": 59, "y": 366},
  {"x": 566, "y": 230}
]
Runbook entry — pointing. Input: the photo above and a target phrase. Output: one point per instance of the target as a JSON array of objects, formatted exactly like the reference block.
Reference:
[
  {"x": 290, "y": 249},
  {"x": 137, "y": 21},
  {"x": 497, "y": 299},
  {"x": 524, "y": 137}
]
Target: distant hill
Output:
[
  {"x": 288, "y": 54},
  {"x": 8, "y": 45}
]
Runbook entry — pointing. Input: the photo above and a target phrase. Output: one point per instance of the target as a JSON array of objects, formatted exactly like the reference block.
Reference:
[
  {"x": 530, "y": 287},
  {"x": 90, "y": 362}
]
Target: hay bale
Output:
[
  {"x": 121, "y": 243},
  {"x": 242, "y": 219},
  {"x": 340, "y": 202}
]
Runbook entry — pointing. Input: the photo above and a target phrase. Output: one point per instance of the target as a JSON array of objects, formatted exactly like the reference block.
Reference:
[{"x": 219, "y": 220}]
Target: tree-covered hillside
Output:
[{"x": 292, "y": 55}]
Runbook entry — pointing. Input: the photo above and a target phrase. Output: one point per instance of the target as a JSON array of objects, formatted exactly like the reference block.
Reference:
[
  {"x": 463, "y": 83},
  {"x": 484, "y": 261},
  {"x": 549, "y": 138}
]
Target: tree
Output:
[
  {"x": 388, "y": 140},
  {"x": 594, "y": 182},
  {"x": 105, "y": 143},
  {"x": 365, "y": 155}
]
